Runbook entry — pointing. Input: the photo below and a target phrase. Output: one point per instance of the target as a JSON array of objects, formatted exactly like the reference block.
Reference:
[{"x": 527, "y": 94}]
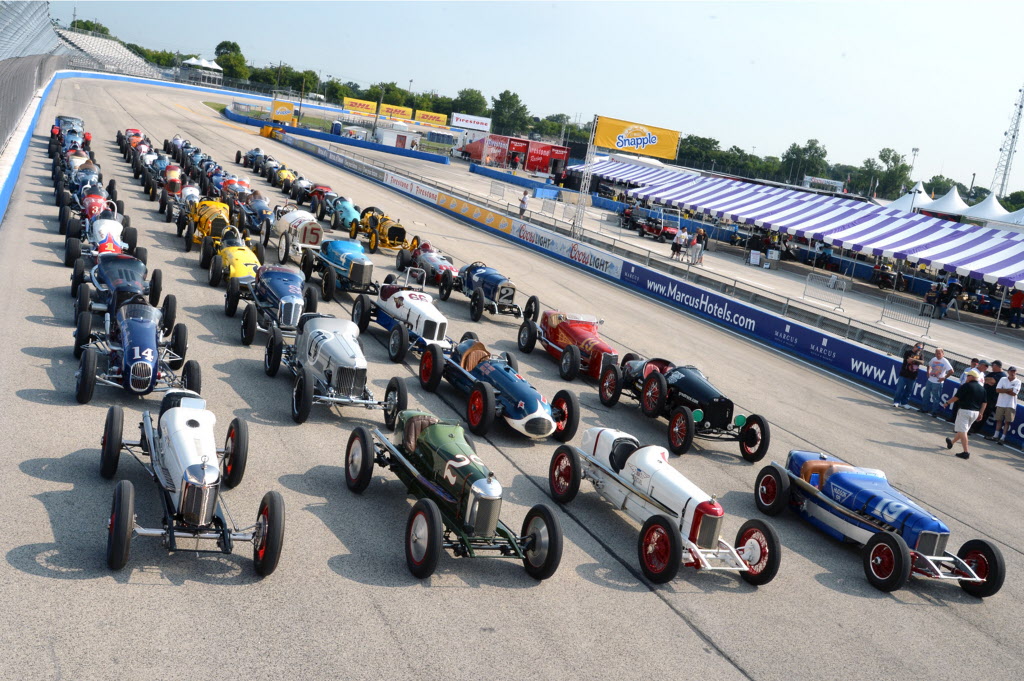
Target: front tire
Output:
[
  {"x": 887, "y": 561},
  {"x": 543, "y": 556},
  {"x": 987, "y": 562},
  {"x": 431, "y": 368},
  {"x": 680, "y": 430},
  {"x": 564, "y": 475},
  {"x": 121, "y": 526},
  {"x": 236, "y": 453},
  {"x": 248, "y": 326},
  {"x": 532, "y": 309},
  {"x": 396, "y": 400},
  {"x": 755, "y": 438},
  {"x": 110, "y": 447},
  {"x": 660, "y": 549},
  {"x": 653, "y": 395},
  {"x": 761, "y": 550},
  {"x": 423, "y": 533},
  {"x": 398, "y": 343},
  {"x": 359, "y": 460},
  {"x": 85, "y": 383},
  {"x": 266, "y": 552},
  {"x": 526, "y": 339},
  {"x": 771, "y": 491}
]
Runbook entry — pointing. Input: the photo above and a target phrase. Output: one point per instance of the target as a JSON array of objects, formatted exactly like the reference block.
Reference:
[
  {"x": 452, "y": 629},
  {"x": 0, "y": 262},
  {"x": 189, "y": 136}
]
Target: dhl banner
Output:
[
  {"x": 396, "y": 111},
  {"x": 430, "y": 117},
  {"x": 281, "y": 111},
  {"x": 635, "y": 138},
  {"x": 485, "y": 217},
  {"x": 359, "y": 105}
]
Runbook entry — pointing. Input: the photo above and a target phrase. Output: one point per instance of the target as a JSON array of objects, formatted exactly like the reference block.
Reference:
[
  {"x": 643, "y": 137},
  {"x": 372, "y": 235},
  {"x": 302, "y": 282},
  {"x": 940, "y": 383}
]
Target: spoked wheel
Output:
[
  {"x": 480, "y": 408},
  {"x": 423, "y": 538},
  {"x": 680, "y": 430},
  {"x": 564, "y": 475},
  {"x": 431, "y": 368},
  {"x": 527, "y": 337},
  {"x": 565, "y": 409},
  {"x": 569, "y": 364},
  {"x": 653, "y": 395},
  {"x": 660, "y": 549},
  {"x": 269, "y": 536},
  {"x": 122, "y": 525},
  {"x": 110, "y": 446},
  {"x": 236, "y": 453},
  {"x": 987, "y": 562},
  {"x": 760, "y": 548},
  {"x": 887, "y": 561},
  {"x": 755, "y": 438},
  {"x": 610, "y": 388},
  {"x": 359, "y": 460},
  {"x": 398, "y": 343},
  {"x": 532, "y": 309},
  {"x": 771, "y": 491},
  {"x": 543, "y": 537},
  {"x": 396, "y": 400},
  {"x": 302, "y": 394}
]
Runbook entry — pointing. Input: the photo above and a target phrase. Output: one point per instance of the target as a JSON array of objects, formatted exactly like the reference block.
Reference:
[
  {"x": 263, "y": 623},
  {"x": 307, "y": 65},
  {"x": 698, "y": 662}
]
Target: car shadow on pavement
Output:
[
  {"x": 61, "y": 305},
  {"x": 60, "y": 366},
  {"x": 223, "y": 330},
  {"x": 78, "y": 516},
  {"x": 371, "y": 526}
]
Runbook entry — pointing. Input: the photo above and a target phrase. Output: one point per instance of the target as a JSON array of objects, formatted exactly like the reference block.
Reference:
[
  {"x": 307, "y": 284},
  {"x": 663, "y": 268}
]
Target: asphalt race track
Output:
[{"x": 342, "y": 604}]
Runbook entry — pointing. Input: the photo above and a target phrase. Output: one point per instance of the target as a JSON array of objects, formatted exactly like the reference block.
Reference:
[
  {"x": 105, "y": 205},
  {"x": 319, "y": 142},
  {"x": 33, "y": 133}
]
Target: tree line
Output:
[{"x": 886, "y": 176}]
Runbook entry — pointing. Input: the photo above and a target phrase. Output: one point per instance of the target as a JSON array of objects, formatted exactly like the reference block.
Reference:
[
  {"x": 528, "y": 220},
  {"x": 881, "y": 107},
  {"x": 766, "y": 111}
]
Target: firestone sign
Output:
[{"x": 471, "y": 122}]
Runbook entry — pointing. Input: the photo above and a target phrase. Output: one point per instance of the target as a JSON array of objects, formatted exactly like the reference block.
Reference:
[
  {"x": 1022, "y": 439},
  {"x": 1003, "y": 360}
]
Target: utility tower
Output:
[{"x": 1009, "y": 147}]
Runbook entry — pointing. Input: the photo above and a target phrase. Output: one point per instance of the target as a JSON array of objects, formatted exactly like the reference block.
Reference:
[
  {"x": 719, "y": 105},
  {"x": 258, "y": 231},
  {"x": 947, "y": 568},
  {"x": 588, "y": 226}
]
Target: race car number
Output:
[
  {"x": 316, "y": 341},
  {"x": 146, "y": 354},
  {"x": 459, "y": 461},
  {"x": 506, "y": 294},
  {"x": 587, "y": 344},
  {"x": 312, "y": 235},
  {"x": 417, "y": 296},
  {"x": 889, "y": 510}
]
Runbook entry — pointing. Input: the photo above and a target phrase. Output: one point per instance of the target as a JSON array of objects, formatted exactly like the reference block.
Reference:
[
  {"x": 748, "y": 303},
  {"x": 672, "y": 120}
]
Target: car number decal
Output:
[
  {"x": 889, "y": 510},
  {"x": 139, "y": 353},
  {"x": 459, "y": 461},
  {"x": 316, "y": 342},
  {"x": 506, "y": 294}
]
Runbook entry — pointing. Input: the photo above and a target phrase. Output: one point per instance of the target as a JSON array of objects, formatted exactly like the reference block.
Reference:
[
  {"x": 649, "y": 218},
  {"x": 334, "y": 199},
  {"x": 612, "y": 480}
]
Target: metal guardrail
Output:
[
  {"x": 826, "y": 288},
  {"x": 901, "y": 310}
]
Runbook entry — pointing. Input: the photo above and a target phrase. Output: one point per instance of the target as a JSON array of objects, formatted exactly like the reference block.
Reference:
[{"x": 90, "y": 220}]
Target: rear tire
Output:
[
  {"x": 192, "y": 377},
  {"x": 236, "y": 453},
  {"x": 110, "y": 447},
  {"x": 887, "y": 561},
  {"x": 660, "y": 549},
  {"x": 569, "y": 363},
  {"x": 755, "y": 438},
  {"x": 761, "y": 544},
  {"x": 532, "y": 309},
  {"x": 431, "y": 368},
  {"x": 302, "y": 395},
  {"x": 565, "y": 429},
  {"x": 476, "y": 305},
  {"x": 85, "y": 382},
  {"x": 526, "y": 339},
  {"x": 480, "y": 408},
  {"x": 681, "y": 429},
  {"x": 359, "y": 460},
  {"x": 653, "y": 395},
  {"x": 610, "y": 388},
  {"x": 564, "y": 475},
  {"x": 423, "y": 533},
  {"x": 267, "y": 552},
  {"x": 545, "y": 553},
  {"x": 398, "y": 343},
  {"x": 328, "y": 284},
  {"x": 248, "y": 327},
  {"x": 397, "y": 396},
  {"x": 272, "y": 356}
]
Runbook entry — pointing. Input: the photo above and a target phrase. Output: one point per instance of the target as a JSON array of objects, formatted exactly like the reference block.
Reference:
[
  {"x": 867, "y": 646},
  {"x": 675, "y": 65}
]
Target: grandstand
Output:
[{"x": 110, "y": 54}]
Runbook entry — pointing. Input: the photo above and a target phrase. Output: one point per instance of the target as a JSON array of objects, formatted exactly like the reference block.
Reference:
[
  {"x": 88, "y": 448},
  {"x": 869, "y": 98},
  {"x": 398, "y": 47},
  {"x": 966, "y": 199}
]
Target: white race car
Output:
[
  {"x": 296, "y": 230},
  {"x": 407, "y": 313},
  {"x": 188, "y": 469},
  {"x": 681, "y": 523}
]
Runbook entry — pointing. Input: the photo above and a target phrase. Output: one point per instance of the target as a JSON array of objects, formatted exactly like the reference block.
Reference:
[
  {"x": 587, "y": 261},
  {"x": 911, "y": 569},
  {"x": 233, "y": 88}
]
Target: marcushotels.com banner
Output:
[{"x": 635, "y": 138}]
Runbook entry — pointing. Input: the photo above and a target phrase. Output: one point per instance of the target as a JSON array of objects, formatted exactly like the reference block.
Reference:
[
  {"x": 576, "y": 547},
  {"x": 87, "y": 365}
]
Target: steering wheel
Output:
[{"x": 478, "y": 262}]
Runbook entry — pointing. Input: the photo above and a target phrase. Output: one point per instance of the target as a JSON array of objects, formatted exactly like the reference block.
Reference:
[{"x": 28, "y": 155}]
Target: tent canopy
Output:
[
  {"x": 989, "y": 209},
  {"x": 950, "y": 204},
  {"x": 202, "y": 63},
  {"x": 634, "y": 173}
]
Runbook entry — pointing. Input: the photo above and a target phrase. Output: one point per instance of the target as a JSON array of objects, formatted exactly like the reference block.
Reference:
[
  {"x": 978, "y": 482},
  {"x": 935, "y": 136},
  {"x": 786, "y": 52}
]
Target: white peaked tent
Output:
[
  {"x": 912, "y": 199},
  {"x": 950, "y": 204},
  {"x": 989, "y": 209},
  {"x": 1014, "y": 218},
  {"x": 202, "y": 63}
]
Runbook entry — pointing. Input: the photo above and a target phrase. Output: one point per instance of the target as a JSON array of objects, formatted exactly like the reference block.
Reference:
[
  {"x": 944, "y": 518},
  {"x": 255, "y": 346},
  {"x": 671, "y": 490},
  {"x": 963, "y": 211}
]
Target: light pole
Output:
[{"x": 913, "y": 162}]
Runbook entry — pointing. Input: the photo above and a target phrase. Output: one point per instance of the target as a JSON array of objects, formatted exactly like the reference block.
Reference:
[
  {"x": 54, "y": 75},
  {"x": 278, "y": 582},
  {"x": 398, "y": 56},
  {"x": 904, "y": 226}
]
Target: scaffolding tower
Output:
[{"x": 1006, "y": 152}]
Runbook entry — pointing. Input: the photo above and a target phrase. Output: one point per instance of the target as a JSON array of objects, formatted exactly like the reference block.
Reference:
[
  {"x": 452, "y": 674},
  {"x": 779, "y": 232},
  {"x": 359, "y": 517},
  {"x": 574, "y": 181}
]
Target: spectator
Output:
[
  {"x": 524, "y": 202},
  {"x": 971, "y": 398},
  {"x": 1016, "y": 309},
  {"x": 992, "y": 379},
  {"x": 1006, "y": 404},
  {"x": 702, "y": 243},
  {"x": 515, "y": 163},
  {"x": 963, "y": 379},
  {"x": 695, "y": 248},
  {"x": 983, "y": 368},
  {"x": 908, "y": 376},
  {"x": 939, "y": 369},
  {"x": 678, "y": 243}
]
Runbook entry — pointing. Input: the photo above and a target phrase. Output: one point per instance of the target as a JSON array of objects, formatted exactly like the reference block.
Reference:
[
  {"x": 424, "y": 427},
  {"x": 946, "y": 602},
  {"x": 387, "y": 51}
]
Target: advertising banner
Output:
[
  {"x": 471, "y": 122},
  {"x": 584, "y": 254},
  {"x": 495, "y": 147},
  {"x": 407, "y": 186},
  {"x": 395, "y": 111},
  {"x": 281, "y": 111},
  {"x": 517, "y": 146},
  {"x": 430, "y": 117},
  {"x": 635, "y": 138},
  {"x": 539, "y": 157},
  {"x": 485, "y": 217},
  {"x": 359, "y": 105}
]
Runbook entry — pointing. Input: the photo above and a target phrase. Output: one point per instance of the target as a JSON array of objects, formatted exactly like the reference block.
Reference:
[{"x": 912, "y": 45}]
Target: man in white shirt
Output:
[
  {"x": 1006, "y": 404},
  {"x": 939, "y": 369}
]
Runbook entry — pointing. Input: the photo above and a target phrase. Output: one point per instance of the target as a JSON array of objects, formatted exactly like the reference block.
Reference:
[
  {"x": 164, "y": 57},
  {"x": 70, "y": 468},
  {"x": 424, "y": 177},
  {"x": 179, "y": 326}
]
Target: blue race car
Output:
[
  {"x": 488, "y": 289},
  {"x": 857, "y": 504},
  {"x": 342, "y": 266},
  {"x": 337, "y": 210},
  {"x": 277, "y": 298},
  {"x": 495, "y": 388}
]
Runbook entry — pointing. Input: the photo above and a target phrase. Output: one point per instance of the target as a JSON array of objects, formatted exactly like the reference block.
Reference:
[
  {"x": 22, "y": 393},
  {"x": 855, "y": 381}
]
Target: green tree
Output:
[
  {"x": 895, "y": 178},
  {"x": 234, "y": 66},
  {"x": 93, "y": 26},
  {"x": 510, "y": 116},
  {"x": 938, "y": 185},
  {"x": 809, "y": 159},
  {"x": 226, "y": 47},
  {"x": 1014, "y": 201},
  {"x": 470, "y": 102},
  {"x": 697, "y": 150},
  {"x": 391, "y": 92}
]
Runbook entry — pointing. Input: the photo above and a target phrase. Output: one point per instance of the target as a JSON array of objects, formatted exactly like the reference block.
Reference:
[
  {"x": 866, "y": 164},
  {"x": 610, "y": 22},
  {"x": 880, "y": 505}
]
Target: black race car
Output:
[{"x": 692, "y": 405}]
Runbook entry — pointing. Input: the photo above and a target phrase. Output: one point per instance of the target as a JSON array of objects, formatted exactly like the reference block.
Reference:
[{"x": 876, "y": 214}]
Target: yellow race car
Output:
[
  {"x": 382, "y": 231},
  {"x": 205, "y": 218},
  {"x": 233, "y": 255},
  {"x": 283, "y": 178}
]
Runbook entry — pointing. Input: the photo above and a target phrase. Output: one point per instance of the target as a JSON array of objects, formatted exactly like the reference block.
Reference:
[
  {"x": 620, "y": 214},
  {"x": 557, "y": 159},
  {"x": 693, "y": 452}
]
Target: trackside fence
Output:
[
  {"x": 826, "y": 288},
  {"x": 903, "y": 311},
  {"x": 497, "y": 189}
]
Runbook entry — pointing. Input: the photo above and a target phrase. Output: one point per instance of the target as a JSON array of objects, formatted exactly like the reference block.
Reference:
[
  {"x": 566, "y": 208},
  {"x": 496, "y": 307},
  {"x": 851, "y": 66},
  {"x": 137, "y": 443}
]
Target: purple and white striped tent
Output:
[
  {"x": 979, "y": 252},
  {"x": 633, "y": 173}
]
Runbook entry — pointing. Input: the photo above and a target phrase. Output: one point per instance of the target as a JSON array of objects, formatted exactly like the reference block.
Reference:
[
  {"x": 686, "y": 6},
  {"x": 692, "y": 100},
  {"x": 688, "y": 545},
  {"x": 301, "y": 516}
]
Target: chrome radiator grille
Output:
[
  {"x": 932, "y": 543},
  {"x": 361, "y": 273},
  {"x": 288, "y": 314},
  {"x": 486, "y": 519},
  {"x": 197, "y": 503},
  {"x": 538, "y": 426},
  {"x": 141, "y": 376},
  {"x": 707, "y": 535},
  {"x": 430, "y": 330},
  {"x": 350, "y": 382}
]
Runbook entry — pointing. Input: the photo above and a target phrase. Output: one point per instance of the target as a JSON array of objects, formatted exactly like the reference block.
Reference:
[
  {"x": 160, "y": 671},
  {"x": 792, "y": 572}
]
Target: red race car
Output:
[
  {"x": 424, "y": 256},
  {"x": 316, "y": 191},
  {"x": 573, "y": 340}
]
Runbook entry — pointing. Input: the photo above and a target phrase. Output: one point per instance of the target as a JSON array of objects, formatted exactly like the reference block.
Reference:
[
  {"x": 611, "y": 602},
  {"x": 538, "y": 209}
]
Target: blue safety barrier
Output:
[{"x": 504, "y": 176}]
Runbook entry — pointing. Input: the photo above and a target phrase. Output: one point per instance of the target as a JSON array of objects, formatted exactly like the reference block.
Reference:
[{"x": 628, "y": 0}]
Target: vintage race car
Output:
[
  {"x": 61, "y": 126},
  {"x": 329, "y": 368},
  {"x": 283, "y": 178},
  {"x": 407, "y": 313},
  {"x": 297, "y": 187},
  {"x": 572, "y": 339},
  {"x": 459, "y": 499},
  {"x": 128, "y": 140},
  {"x": 234, "y": 190},
  {"x": 233, "y": 255},
  {"x": 250, "y": 159},
  {"x": 105, "y": 233},
  {"x": 424, "y": 256},
  {"x": 857, "y": 504},
  {"x": 86, "y": 204},
  {"x": 203, "y": 219},
  {"x": 296, "y": 231},
  {"x": 337, "y": 210},
  {"x": 682, "y": 525},
  {"x": 170, "y": 183},
  {"x": 137, "y": 356},
  {"x": 382, "y": 231},
  {"x": 252, "y": 214},
  {"x": 189, "y": 471},
  {"x": 154, "y": 175},
  {"x": 693, "y": 406},
  {"x": 268, "y": 168},
  {"x": 277, "y": 299},
  {"x": 114, "y": 279},
  {"x": 342, "y": 266},
  {"x": 310, "y": 191},
  {"x": 494, "y": 388},
  {"x": 181, "y": 205},
  {"x": 175, "y": 142},
  {"x": 488, "y": 290}
]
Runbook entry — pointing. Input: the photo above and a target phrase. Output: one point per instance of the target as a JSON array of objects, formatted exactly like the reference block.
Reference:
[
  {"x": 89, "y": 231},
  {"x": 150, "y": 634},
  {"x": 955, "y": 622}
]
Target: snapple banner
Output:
[{"x": 634, "y": 138}]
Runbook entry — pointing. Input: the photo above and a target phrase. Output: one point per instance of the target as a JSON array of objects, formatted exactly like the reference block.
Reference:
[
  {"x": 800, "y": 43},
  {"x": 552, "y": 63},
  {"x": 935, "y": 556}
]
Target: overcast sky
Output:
[{"x": 858, "y": 76}]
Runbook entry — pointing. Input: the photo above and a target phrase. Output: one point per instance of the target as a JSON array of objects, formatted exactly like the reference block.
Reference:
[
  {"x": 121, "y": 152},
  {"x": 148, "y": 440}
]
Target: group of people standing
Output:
[
  {"x": 690, "y": 245},
  {"x": 985, "y": 391}
]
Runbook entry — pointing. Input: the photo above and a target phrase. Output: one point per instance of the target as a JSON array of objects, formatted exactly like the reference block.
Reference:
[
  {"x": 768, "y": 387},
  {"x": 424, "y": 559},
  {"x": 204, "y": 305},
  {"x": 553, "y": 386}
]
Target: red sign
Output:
[
  {"x": 560, "y": 153},
  {"x": 517, "y": 145}
]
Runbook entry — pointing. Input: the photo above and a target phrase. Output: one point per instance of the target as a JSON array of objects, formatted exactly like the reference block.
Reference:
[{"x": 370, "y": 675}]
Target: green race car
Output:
[{"x": 459, "y": 500}]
